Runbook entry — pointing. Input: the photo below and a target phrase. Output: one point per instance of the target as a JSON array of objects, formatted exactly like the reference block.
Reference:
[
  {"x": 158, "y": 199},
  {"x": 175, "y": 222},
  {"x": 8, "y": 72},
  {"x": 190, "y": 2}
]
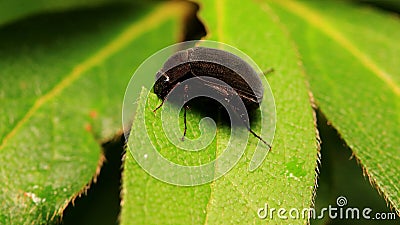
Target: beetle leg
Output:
[
  {"x": 184, "y": 121},
  {"x": 254, "y": 133},
  {"x": 257, "y": 136},
  {"x": 154, "y": 111},
  {"x": 185, "y": 108},
  {"x": 247, "y": 124},
  {"x": 165, "y": 99}
]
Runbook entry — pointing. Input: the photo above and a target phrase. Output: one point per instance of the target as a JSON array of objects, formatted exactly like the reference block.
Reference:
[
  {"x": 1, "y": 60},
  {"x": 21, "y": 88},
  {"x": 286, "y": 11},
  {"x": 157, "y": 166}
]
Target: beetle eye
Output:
[{"x": 166, "y": 78}]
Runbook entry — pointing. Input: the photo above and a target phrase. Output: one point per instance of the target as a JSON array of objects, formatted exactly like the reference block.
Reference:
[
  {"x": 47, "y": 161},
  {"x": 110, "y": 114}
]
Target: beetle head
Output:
[{"x": 162, "y": 85}]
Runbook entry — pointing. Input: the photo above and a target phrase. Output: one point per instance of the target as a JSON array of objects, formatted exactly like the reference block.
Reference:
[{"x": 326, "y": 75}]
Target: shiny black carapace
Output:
[{"x": 240, "y": 77}]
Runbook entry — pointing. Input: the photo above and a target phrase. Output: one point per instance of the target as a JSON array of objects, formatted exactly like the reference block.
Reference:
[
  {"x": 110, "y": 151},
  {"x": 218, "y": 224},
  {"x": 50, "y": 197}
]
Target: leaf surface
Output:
[
  {"x": 61, "y": 92},
  {"x": 287, "y": 176},
  {"x": 351, "y": 59},
  {"x": 12, "y": 10}
]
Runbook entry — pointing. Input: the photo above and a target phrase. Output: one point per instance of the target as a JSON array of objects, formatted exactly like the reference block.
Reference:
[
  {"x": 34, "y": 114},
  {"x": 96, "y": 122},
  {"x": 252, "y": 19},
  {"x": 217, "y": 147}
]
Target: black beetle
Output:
[{"x": 210, "y": 62}]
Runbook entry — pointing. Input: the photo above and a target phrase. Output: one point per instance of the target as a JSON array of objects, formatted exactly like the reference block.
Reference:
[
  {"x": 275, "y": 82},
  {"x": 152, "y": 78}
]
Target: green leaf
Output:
[
  {"x": 389, "y": 5},
  {"x": 147, "y": 200},
  {"x": 61, "y": 93},
  {"x": 287, "y": 176},
  {"x": 354, "y": 75},
  {"x": 12, "y": 10}
]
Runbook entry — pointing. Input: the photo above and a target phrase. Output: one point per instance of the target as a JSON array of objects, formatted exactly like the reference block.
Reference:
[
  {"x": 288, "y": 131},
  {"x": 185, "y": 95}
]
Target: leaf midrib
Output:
[
  {"x": 219, "y": 5},
  {"x": 136, "y": 29}
]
